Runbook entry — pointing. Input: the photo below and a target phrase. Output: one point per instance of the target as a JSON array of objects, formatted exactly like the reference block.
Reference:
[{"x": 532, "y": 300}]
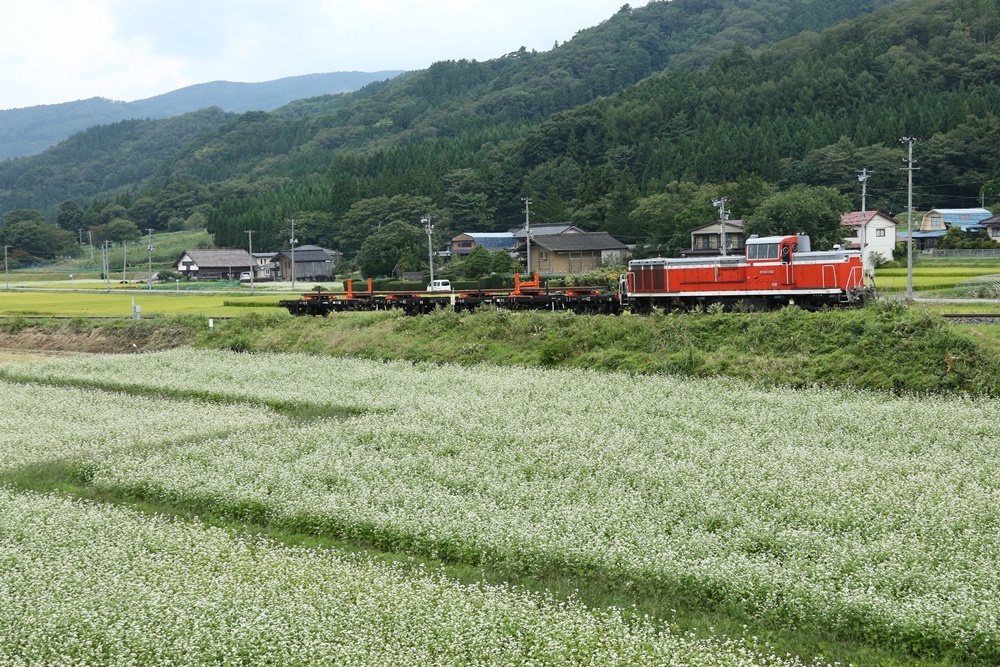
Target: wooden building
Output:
[
  {"x": 311, "y": 263},
  {"x": 577, "y": 252},
  {"x": 213, "y": 264}
]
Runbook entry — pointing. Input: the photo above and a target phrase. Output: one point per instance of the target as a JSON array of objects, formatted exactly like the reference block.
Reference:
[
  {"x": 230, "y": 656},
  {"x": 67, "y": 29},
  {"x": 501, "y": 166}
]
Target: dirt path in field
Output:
[{"x": 18, "y": 356}]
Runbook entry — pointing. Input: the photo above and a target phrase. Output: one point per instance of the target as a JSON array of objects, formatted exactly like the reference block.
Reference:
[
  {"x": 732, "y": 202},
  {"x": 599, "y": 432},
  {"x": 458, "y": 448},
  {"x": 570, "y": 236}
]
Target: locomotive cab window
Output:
[{"x": 762, "y": 251}]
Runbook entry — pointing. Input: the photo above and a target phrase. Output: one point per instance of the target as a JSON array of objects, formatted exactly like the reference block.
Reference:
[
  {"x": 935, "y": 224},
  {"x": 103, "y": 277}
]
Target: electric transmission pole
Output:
[
  {"x": 149, "y": 248},
  {"x": 527, "y": 230},
  {"x": 723, "y": 217},
  {"x": 430, "y": 244},
  {"x": 863, "y": 176},
  {"x": 293, "y": 241},
  {"x": 909, "y": 169},
  {"x": 252, "y": 263}
]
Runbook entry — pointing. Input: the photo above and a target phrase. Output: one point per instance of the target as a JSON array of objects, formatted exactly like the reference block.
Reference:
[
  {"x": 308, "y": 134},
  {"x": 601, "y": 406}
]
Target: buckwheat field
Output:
[{"x": 873, "y": 515}]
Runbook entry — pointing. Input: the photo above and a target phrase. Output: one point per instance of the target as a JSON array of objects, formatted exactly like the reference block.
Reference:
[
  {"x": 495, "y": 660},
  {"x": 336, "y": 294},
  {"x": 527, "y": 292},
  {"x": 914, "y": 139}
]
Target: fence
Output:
[{"x": 986, "y": 253}]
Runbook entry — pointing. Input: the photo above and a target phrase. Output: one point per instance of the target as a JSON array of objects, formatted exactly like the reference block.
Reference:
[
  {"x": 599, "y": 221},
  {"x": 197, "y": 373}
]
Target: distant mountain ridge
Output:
[{"x": 31, "y": 130}]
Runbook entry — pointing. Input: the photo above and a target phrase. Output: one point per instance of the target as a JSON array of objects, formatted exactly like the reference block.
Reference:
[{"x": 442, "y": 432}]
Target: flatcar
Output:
[{"x": 774, "y": 271}]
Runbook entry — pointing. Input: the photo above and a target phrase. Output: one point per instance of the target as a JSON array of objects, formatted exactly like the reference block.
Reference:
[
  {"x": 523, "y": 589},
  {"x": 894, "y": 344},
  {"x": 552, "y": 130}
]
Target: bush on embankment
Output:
[{"x": 886, "y": 346}]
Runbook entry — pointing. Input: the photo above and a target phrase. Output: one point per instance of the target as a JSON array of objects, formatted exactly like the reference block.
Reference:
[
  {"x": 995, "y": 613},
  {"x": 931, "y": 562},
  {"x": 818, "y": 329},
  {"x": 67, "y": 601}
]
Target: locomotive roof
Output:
[
  {"x": 692, "y": 261},
  {"x": 768, "y": 239}
]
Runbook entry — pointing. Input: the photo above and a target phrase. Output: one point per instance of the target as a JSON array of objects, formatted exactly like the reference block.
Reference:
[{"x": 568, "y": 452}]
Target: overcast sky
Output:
[{"x": 62, "y": 50}]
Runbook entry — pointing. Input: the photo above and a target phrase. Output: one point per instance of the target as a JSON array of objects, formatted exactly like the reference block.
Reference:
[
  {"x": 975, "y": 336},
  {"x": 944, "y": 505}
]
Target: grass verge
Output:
[{"x": 887, "y": 346}]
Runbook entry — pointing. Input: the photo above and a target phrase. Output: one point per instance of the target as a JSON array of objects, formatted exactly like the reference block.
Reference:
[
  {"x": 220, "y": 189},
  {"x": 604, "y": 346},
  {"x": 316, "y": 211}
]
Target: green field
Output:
[
  {"x": 118, "y": 303},
  {"x": 928, "y": 278}
]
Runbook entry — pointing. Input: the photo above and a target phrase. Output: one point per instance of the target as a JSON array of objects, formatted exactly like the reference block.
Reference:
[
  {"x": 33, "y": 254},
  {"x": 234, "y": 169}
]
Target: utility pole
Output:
[
  {"x": 106, "y": 259},
  {"x": 723, "y": 217},
  {"x": 79, "y": 236},
  {"x": 124, "y": 260},
  {"x": 90, "y": 239},
  {"x": 909, "y": 169},
  {"x": 426, "y": 220},
  {"x": 527, "y": 230},
  {"x": 6, "y": 272},
  {"x": 252, "y": 267},
  {"x": 863, "y": 177},
  {"x": 149, "y": 248},
  {"x": 293, "y": 241}
]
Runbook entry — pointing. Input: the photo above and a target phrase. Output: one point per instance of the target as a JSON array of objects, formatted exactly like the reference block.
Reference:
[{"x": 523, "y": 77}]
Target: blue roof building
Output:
[{"x": 940, "y": 219}]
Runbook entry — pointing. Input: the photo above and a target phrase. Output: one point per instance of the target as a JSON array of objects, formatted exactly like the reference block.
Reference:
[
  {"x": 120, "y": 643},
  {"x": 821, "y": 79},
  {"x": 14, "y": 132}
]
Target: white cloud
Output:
[{"x": 61, "y": 50}]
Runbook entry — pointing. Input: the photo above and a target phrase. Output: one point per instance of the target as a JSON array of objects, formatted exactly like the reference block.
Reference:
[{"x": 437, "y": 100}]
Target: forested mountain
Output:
[
  {"x": 31, "y": 130},
  {"x": 634, "y": 127}
]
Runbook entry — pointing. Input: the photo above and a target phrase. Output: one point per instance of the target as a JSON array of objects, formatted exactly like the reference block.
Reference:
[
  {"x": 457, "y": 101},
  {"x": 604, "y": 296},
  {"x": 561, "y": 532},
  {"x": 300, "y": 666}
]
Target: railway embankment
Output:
[{"x": 887, "y": 346}]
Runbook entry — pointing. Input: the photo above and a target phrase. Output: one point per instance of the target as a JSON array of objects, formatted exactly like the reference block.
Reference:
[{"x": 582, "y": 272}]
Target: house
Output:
[
  {"x": 264, "y": 266},
  {"x": 463, "y": 244},
  {"x": 992, "y": 227},
  {"x": 575, "y": 252},
  {"x": 935, "y": 223},
  {"x": 217, "y": 264},
  {"x": 879, "y": 233},
  {"x": 311, "y": 263},
  {"x": 707, "y": 239}
]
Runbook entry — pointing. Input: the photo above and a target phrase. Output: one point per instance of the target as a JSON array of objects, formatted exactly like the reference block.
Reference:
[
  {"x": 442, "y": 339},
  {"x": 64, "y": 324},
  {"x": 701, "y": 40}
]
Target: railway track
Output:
[{"x": 973, "y": 318}]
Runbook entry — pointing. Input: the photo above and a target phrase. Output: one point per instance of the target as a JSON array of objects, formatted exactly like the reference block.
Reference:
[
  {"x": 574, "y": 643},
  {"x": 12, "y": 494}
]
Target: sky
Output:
[{"x": 63, "y": 50}]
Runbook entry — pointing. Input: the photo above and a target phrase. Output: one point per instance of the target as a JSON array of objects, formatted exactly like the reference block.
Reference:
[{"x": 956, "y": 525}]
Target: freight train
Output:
[{"x": 774, "y": 271}]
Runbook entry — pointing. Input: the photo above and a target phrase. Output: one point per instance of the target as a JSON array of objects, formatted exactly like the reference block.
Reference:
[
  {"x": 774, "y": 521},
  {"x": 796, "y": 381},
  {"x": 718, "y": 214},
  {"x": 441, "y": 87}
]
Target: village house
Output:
[
  {"x": 463, "y": 244},
  {"x": 707, "y": 239},
  {"x": 992, "y": 227},
  {"x": 935, "y": 223},
  {"x": 213, "y": 264},
  {"x": 264, "y": 266},
  {"x": 879, "y": 234},
  {"x": 576, "y": 252}
]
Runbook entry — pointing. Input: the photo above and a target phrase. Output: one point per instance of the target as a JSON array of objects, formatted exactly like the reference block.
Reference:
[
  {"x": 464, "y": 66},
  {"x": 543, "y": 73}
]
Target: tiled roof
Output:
[
  {"x": 546, "y": 230},
  {"x": 307, "y": 253},
  {"x": 218, "y": 258},
  {"x": 578, "y": 242},
  {"x": 853, "y": 219}
]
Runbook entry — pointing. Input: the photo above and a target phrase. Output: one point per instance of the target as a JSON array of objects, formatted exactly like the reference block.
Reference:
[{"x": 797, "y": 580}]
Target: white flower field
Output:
[
  {"x": 875, "y": 515},
  {"x": 83, "y": 584}
]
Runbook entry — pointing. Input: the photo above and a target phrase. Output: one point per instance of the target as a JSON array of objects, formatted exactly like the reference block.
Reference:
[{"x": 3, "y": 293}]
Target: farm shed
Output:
[{"x": 311, "y": 263}]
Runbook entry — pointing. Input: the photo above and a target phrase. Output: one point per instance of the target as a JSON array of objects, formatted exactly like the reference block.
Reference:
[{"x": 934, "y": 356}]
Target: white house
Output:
[{"x": 878, "y": 231}]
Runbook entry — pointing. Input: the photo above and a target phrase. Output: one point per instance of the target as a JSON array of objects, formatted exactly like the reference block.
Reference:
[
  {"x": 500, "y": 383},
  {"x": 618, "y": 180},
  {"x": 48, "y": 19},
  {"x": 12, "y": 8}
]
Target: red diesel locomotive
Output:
[{"x": 773, "y": 272}]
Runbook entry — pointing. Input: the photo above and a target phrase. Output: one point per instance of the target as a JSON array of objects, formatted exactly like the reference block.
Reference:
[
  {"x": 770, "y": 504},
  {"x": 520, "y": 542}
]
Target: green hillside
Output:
[
  {"x": 31, "y": 130},
  {"x": 633, "y": 127}
]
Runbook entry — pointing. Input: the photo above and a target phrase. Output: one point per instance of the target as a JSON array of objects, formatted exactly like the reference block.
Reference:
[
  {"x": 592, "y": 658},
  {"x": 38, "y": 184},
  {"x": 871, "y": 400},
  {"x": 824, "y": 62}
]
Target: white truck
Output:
[{"x": 439, "y": 286}]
